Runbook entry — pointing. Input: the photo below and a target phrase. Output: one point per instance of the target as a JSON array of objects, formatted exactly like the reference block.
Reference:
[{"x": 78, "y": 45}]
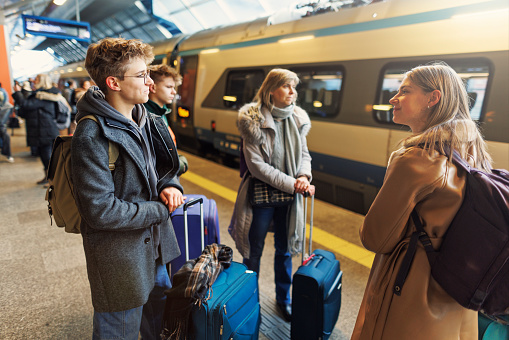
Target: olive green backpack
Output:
[{"x": 60, "y": 194}]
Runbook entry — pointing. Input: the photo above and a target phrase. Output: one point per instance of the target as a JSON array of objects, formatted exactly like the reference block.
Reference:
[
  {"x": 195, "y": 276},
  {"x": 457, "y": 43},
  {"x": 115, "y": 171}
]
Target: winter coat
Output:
[
  {"x": 118, "y": 215},
  {"x": 424, "y": 310},
  {"x": 257, "y": 128},
  {"x": 40, "y": 117}
]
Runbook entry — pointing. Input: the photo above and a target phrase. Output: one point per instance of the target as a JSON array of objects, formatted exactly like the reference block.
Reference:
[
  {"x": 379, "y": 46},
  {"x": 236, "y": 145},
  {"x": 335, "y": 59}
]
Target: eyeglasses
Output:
[{"x": 145, "y": 76}]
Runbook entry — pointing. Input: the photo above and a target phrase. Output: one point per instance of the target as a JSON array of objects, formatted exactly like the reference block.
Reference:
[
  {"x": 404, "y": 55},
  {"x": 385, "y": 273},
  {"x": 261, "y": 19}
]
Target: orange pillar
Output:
[{"x": 5, "y": 71}]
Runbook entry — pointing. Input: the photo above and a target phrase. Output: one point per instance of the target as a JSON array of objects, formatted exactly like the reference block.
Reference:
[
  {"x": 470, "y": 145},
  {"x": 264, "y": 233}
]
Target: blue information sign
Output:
[{"x": 56, "y": 28}]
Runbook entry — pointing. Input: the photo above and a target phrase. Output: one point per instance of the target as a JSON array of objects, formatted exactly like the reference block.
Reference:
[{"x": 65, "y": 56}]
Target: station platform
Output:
[{"x": 45, "y": 291}]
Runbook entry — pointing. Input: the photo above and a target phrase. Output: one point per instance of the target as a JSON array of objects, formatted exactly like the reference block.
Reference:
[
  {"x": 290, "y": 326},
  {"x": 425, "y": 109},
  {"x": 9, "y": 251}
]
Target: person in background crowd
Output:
[
  {"x": 4, "y": 96},
  {"x": 68, "y": 90},
  {"x": 275, "y": 149},
  {"x": 26, "y": 90},
  {"x": 433, "y": 102},
  {"x": 41, "y": 119},
  {"x": 75, "y": 97},
  {"x": 127, "y": 233},
  {"x": 162, "y": 93},
  {"x": 5, "y": 111},
  {"x": 80, "y": 91}
]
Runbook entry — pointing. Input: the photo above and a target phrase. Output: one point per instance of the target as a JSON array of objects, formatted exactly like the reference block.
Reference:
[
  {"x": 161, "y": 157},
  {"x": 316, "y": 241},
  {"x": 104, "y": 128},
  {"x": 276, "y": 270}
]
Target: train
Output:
[{"x": 350, "y": 62}]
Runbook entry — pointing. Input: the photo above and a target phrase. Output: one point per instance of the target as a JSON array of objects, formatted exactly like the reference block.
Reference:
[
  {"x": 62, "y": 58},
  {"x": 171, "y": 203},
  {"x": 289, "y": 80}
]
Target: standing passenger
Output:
[
  {"x": 274, "y": 134},
  {"x": 127, "y": 233},
  {"x": 40, "y": 118},
  {"x": 433, "y": 102},
  {"x": 162, "y": 93}
]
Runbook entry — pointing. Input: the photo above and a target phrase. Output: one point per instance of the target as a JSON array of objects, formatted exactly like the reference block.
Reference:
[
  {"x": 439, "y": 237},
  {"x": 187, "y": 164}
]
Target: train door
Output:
[{"x": 183, "y": 118}]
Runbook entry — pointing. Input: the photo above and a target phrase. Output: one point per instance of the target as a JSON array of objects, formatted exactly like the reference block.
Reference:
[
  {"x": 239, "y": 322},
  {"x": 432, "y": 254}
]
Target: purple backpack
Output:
[{"x": 472, "y": 264}]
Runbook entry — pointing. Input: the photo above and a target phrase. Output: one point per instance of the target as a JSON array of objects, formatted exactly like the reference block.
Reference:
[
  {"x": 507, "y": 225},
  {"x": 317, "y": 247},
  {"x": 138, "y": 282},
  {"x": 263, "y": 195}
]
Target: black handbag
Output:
[
  {"x": 13, "y": 123},
  {"x": 262, "y": 195}
]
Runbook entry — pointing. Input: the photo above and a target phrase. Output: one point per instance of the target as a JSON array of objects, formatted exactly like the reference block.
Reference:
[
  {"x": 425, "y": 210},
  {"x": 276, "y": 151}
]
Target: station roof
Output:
[{"x": 148, "y": 20}]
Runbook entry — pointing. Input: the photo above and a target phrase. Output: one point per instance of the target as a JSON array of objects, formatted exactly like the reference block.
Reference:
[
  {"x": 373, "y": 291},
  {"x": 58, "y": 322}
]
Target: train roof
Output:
[{"x": 376, "y": 15}]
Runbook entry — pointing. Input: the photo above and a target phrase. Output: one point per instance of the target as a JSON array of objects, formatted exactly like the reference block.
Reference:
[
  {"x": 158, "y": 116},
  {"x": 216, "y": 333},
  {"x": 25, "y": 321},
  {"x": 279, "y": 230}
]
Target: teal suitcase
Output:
[
  {"x": 234, "y": 310},
  {"x": 492, "y": 330}
]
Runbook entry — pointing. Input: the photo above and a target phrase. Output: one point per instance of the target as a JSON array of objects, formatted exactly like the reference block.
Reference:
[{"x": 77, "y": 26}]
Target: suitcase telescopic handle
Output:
[
  {"x": 202, "y": 227},
  {"x": 306, "y": 194}
]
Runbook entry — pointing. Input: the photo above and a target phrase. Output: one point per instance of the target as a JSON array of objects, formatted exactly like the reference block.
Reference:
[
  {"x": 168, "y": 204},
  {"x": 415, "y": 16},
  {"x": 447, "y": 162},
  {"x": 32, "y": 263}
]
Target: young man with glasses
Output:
[
  {"x": 162, "y": 92},
  {"x": 127, "y": 233}
]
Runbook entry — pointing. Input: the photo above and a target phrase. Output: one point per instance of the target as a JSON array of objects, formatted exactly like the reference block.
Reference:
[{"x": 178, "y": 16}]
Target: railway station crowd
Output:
[{"x": 126, "y": 227}]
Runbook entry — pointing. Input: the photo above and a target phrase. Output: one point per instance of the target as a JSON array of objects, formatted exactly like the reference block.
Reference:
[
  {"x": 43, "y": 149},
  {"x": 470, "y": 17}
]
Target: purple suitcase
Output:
[{"x": 196, "y": 245}]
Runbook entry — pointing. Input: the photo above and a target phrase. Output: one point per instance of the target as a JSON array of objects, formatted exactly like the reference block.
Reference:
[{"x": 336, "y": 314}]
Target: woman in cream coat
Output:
[{"x": 433, "y": 102}]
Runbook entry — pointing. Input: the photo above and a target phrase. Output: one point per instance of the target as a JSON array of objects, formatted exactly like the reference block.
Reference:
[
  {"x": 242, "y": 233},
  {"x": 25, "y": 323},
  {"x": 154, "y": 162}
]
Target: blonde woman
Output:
[
  {"x": 274, "y": 134},
  {"x": 433, "y": 102}
]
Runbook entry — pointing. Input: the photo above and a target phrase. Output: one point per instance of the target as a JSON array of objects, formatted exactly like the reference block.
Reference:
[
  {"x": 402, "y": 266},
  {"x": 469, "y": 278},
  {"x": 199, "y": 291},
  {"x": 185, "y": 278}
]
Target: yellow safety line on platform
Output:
[{"x": 343, "y": 247}]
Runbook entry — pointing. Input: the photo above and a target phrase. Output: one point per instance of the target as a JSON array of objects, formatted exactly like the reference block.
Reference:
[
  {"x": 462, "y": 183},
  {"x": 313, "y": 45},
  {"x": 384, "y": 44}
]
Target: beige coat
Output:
[{"x": 424, "y": 311}]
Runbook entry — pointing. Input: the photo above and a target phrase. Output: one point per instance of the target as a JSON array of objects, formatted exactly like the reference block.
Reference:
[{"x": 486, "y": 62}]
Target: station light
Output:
[
  {"x": 304, "y": 37},
  {"x": 209, "y": 51},
  {"x": 59, "y": 2},
  {"x": 230, "y": 98},
  {"x": 382, "y": 107},
  {"x": 317, "y": 103},
  {"x": 465, "y": 15}
]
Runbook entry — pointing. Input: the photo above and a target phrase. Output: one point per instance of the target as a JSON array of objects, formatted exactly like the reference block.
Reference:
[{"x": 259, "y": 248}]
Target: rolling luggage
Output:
[
  {"x": 316, "y": 294},
  {"x": 490, "y": 329},
  {"x": 233, "y": 310},
  {"x": 196, "y": 245}
]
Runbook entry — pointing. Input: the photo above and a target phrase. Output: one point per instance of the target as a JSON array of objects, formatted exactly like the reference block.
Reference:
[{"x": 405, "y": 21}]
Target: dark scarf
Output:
[{"x": 192, "y": 285}]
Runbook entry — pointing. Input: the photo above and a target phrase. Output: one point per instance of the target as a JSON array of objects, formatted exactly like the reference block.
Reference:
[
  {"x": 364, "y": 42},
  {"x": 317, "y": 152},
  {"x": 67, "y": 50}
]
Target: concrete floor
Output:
[{"x": 45, "y": 291}]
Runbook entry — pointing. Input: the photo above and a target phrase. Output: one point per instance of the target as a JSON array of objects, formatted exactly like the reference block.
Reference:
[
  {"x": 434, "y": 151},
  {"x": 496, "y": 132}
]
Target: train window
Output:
[
  {"x": 319, "y": 90},
  {"x": 241, "y": 87},
  {"x": 475, "y": 77}
]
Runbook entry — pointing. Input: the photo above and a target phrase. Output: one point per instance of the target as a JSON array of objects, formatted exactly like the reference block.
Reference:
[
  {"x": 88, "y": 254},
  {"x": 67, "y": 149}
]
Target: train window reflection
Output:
[
  {"x": 241, "y": 87},
  {"x": 474, "y": 76},
  {"x": 319, "y": 90}
]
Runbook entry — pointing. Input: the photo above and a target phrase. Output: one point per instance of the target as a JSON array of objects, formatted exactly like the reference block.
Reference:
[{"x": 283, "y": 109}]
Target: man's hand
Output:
[{"x": 172, "y": 198}]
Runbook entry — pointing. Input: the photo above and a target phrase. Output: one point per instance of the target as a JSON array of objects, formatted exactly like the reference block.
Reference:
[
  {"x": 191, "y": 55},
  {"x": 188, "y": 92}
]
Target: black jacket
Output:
[{"x": 40, "y": 118}]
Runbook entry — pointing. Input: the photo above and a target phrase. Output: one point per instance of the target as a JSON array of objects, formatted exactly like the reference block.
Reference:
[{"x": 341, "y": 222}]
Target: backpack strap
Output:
[
  {"x": 113, "y": 151},
  {"x": 418, "y": 235}
]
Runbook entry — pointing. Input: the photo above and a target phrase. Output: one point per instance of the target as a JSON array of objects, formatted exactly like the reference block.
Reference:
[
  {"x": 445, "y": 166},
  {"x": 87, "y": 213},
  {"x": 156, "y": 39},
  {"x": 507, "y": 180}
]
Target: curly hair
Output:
[
  {"x": 158, "y": 72},
  {"x": 111, "y": 56}
]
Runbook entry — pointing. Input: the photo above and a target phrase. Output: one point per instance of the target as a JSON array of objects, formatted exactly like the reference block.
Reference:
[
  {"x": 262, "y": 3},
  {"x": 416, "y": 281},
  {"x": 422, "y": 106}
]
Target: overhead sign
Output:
[{"x": 56, "y": 28}]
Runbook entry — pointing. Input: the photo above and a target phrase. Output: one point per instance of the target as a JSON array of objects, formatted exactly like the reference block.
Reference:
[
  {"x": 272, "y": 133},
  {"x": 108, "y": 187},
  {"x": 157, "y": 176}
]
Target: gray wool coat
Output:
[
  {"x": 257, "y": 129},
  {"x": 117, "y": 212}
]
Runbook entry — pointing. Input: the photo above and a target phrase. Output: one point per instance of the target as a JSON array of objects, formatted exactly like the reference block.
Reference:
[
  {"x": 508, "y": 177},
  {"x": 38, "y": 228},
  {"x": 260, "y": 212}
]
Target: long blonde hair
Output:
[
  {"x": 275, "y": 79},
  {"x": 449, "y": 124}
]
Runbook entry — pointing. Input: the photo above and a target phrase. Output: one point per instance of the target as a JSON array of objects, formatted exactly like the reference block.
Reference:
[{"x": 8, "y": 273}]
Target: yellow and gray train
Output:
[{"x": 350, "y": 63}]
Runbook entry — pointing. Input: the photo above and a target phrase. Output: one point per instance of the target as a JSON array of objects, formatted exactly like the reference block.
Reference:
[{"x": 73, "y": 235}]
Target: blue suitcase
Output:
[
  {"x": 196, "y": 244},
  {"x": 233, "y": 311},
  {"x": 316, "y": 293},
  {"x": 493, "y": 328}
]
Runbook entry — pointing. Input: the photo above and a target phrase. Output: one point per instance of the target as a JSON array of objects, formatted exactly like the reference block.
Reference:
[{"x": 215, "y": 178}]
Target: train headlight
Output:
[{"x": 183, "y": 112}]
